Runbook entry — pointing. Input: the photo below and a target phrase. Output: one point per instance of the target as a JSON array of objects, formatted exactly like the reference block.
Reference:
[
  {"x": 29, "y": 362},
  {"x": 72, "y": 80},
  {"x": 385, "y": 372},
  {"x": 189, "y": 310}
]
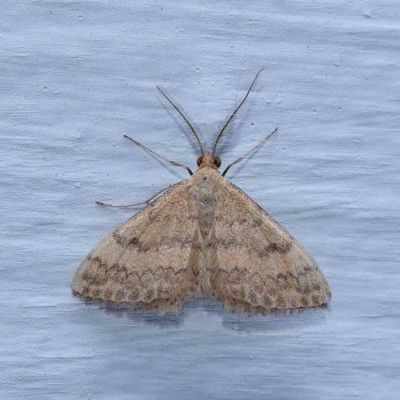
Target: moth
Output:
[{"x": 204, "y": 236}]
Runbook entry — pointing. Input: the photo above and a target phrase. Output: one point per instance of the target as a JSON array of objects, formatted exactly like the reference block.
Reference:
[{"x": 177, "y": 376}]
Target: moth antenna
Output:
[
  {"x": 184, "y": 116},
  {"x": 232, "y": 115}
]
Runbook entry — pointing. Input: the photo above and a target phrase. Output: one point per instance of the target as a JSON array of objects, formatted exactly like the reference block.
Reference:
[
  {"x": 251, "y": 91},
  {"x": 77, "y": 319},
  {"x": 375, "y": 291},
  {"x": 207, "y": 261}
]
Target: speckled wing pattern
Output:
[
  {"x": 148, "y": 260},
  {"x": 256, "y": 266}
]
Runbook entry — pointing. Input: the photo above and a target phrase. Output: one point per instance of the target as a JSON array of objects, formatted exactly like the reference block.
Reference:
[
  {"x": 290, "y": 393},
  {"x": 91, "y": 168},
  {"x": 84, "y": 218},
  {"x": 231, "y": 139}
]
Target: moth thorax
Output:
[{"x": 208, "y": 161}]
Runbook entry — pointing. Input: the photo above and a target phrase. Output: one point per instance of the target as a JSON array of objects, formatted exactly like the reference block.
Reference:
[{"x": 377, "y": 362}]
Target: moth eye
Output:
[
  {"x": 217, "y": 161},
  {"x": 199, "y": 161}
]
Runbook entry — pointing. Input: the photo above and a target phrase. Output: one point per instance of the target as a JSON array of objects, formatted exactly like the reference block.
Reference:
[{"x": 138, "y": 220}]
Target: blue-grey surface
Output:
[{"x": 77, "y": 75}]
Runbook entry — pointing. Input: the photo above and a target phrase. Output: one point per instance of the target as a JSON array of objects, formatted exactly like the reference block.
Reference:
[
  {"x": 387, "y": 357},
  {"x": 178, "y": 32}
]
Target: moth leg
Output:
[
  {"x": 135, "y": 204},
  {"x": 174, "y": 163},
  {"x": 253, "y": 150}
]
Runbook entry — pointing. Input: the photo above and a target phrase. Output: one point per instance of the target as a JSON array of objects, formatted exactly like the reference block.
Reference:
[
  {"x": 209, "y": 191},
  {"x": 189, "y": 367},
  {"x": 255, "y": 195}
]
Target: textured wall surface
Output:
[{"x": 77, "y": 75}]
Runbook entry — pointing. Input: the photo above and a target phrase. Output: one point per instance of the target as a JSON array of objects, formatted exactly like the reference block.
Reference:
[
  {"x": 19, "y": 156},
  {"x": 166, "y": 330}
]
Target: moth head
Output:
[{"x": 208, "y": 161}]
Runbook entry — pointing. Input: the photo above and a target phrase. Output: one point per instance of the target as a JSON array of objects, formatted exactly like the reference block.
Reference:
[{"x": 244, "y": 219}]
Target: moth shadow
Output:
[
  {"x": 243, "y": 322},
  {"x": 274, "y": 323},
  {"x": 236, "y": 321},
  {"x": 171, "y": 319}
]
